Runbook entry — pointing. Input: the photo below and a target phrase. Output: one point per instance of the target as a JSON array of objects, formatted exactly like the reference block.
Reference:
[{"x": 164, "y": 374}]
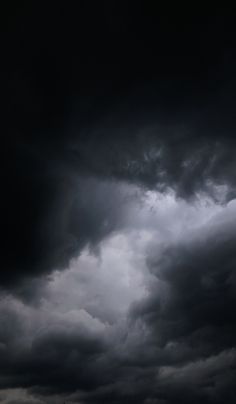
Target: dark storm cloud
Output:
[
  {"x": 57, "y": 353},
  {"x": 178, "y": 344},
  {"x": 51, "y": 208},
  {"x": 96, "y": 98},
  {"x": 155, "y": 107},
  {"x": 199, "y": 277},
  {"x": 52, "y": 218},
  {"x": 190, "y": 314}
]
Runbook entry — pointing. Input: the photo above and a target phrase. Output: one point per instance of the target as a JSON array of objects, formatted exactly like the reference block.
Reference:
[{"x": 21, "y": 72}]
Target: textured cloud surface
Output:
[
  {"x": 118, "y": 205},
  {"x": 146, "y": 316}
]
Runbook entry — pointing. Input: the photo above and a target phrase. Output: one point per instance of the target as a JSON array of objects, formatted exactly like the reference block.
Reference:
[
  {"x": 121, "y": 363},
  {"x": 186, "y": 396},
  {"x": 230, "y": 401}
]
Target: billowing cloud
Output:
[
  {"x": 117, "y": 278},
  {"x": 147, "y": 316}
]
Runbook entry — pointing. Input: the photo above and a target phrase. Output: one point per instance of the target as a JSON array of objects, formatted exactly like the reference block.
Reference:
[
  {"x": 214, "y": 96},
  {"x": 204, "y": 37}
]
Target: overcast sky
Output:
[{"x": 118, "y": 206}]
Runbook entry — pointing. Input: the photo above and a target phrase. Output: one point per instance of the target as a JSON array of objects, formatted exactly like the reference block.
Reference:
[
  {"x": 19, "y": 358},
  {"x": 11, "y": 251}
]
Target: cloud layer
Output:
[
  {"x": 117, "y": 279},
  {"x": 148, "y": 316}
]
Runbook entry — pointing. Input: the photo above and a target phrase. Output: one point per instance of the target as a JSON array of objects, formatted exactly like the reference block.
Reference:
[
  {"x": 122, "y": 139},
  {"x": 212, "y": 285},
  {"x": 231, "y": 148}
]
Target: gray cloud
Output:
[
  {"x": 58, "y": 200},
  {"x": 117, "y": 279},
  {"x": 168, "y": 335}
]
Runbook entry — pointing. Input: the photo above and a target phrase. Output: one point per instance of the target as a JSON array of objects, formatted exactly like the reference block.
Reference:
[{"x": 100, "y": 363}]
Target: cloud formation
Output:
[
  {"x": 117, "y": 279},
  {"x": 149, "y": 317}
]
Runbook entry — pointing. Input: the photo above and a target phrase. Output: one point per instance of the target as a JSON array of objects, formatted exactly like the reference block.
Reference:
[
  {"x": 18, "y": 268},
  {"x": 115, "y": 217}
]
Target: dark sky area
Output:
[{"x": 118, "y": 203}]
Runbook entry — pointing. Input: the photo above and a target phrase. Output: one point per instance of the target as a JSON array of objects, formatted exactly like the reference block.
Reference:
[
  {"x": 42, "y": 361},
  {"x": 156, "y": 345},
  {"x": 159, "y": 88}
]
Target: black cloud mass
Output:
[{"x": 118, "y": 204}]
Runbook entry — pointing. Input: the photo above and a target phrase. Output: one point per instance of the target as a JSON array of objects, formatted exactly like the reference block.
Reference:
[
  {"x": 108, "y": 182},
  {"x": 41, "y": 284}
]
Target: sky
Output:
[{"x": 118, "y": 204}]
